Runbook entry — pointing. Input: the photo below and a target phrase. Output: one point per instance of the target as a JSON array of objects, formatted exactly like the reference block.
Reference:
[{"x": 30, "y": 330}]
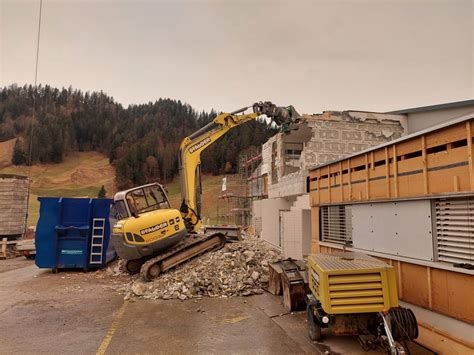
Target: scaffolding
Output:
[{"x": 235, "y": 201}]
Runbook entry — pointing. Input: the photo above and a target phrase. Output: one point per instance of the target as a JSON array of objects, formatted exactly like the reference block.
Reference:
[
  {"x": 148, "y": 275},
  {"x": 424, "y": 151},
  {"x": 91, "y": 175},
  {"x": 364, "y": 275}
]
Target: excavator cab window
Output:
[
  {"x": 118, "y": 210},
  {"x": 147, "y": 199}
]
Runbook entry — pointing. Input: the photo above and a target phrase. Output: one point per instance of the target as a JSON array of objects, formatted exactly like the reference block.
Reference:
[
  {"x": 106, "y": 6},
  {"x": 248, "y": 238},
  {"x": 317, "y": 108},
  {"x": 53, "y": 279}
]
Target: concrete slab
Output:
[{"x": 76, "y": 312}]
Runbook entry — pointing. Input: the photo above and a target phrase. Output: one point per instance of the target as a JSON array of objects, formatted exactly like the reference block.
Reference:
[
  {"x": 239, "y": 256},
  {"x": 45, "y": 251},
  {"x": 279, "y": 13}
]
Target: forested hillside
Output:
[{"x": 141, "y": 141}]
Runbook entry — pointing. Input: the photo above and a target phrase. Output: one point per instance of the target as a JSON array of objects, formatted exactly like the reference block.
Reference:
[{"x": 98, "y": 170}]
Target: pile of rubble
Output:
[{"x": 238, "y": 269}]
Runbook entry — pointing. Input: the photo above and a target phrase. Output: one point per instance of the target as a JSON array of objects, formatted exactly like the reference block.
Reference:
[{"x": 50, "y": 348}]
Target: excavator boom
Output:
[
  {"x": 192, "y": 146},
  {"x": 150, "y": 236}
]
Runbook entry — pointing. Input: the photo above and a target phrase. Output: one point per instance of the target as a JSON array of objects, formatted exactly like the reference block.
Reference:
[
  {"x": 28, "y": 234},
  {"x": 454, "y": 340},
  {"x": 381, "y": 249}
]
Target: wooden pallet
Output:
[{"x": 7, "y": 250}]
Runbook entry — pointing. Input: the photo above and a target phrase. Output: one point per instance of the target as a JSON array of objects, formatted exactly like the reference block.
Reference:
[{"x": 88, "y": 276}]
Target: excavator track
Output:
[{"x": 191, "y": 246}]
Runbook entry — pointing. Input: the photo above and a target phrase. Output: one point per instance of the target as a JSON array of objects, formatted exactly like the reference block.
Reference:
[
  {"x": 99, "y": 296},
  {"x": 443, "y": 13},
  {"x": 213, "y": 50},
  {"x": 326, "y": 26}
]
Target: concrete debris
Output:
[
  {"x": 238, "y": 269},
  {"x": 139, "y": 288}
]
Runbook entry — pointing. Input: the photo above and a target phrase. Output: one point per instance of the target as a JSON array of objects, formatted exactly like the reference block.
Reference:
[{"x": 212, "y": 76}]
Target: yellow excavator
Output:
[{"x": 149, "y": 235}]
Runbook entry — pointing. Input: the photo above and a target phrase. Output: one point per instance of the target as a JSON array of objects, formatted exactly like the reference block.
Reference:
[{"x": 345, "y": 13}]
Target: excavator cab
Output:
[
  {"x": 136, "y": 201},
  {"x": 146, "y": 223}
]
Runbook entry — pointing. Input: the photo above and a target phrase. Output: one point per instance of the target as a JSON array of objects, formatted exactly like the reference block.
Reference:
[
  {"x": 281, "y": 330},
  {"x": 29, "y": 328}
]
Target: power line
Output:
[
  {"x": 34, "y": 110},
  {"x": 35, "y": 87}
]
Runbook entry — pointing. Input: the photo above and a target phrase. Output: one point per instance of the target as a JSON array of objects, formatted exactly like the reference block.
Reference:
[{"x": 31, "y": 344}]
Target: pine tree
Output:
[
  {"x": 19, "y": 156},
  {"x": 102, "y": 193},
  {"x": 69, "y": 120}
]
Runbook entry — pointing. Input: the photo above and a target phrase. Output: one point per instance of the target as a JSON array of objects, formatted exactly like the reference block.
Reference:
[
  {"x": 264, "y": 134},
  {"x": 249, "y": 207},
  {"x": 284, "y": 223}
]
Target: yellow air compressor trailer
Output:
[{"x": 355, "y": 294}]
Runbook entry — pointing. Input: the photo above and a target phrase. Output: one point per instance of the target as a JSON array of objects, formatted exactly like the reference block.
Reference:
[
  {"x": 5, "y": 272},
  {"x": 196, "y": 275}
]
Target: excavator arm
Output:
[{"x": 192, "y": 147}]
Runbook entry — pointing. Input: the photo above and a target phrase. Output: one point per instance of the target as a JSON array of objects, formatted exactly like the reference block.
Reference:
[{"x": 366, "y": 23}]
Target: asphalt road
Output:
[{"x": 81, "y": 313}]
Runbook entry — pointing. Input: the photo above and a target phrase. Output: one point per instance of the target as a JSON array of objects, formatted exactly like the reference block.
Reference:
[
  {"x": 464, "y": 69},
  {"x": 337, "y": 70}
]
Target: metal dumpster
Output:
[{"x": 73, "y": 233}]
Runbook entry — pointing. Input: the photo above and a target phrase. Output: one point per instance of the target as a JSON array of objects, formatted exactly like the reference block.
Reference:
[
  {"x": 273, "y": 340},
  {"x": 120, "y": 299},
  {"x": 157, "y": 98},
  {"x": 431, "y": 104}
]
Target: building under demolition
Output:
[
  {"x": 398, "y": 186},
  {"x": 284, "y": 218},
  {"x": 410, "y": 202}
]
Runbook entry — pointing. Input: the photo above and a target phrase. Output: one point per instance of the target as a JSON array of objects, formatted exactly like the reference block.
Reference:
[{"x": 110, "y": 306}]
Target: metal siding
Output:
[
  {"x": 336, "y": 224},
  {"x": 397, "y": 228},
  {"x": 455, "y": 230}
]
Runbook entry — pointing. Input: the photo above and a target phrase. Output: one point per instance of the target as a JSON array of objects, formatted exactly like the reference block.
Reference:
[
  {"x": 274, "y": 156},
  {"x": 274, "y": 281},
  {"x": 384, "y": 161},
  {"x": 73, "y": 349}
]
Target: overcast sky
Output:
[{"x": 317, "y": 55}]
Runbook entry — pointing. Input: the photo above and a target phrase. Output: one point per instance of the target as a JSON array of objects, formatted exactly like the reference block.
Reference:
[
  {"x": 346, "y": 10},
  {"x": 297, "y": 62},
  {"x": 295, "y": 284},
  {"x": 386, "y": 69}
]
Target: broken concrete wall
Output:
[
  {"x": 13, "y": 205},
  {"x": 289, "y": 185},
  {"x": 287, "y": 158},
  {"x": 338, "y": 134},
  {"x": 332, "y": 135}
]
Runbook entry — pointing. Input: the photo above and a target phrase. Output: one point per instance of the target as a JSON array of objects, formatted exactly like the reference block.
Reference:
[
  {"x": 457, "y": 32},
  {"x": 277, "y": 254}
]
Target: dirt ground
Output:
[
  {"x": 15, "y": 263},
  {"x": 82, "y": 313}
]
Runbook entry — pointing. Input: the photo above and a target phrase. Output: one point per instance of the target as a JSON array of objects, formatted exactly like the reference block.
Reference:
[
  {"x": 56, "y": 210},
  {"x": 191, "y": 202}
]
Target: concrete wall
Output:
[
  {"x": 257, "y": 216},
  {"x": 269, "y": 210},
  {"x": 325, "y": 137},
  {"x": 338, "y": 134},
  {"x": 289, "y": 185},
  {"x": 420, "y": 120},
  {"x": 296, "y": 236}
]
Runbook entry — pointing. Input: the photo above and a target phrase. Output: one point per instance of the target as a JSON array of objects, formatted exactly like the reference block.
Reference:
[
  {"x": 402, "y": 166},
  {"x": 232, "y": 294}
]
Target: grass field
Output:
[
  {"x": 211, "y": 189},
  {"x": 82, "y": 175},
  {"x": 6, "y": 152}
]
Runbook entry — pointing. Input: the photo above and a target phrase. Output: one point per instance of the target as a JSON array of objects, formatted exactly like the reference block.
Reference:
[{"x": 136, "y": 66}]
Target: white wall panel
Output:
[{"x": 398, "y": 228}]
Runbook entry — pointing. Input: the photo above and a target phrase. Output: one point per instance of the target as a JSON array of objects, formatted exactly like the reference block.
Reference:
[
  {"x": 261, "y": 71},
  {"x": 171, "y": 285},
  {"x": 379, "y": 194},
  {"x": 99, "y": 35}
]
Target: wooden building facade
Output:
[{"x": 410, "y": 202}]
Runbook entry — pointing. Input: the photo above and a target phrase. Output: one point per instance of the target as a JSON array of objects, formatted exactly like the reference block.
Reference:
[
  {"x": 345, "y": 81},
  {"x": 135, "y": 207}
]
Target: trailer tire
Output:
[{"x": 314, "y": 328}]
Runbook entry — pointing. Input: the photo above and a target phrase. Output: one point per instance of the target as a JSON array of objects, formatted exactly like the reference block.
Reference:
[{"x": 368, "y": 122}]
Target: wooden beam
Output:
[
  {"x": 428, "y": 279},
  {"x": 367, "y": 177},
  {"x": 350, "y": 178},
  {"x": 425, "y": 164},
  {"x": 319, "y": 186},
  {"x": 340, "y": 175},
  {"x": 329, "y": 185},
  {"x": 400, "y": 283},
  {"x": 395, "y": 169},
  {"x": 387, "y": 172},
  {"x": 470, "y": 153}
]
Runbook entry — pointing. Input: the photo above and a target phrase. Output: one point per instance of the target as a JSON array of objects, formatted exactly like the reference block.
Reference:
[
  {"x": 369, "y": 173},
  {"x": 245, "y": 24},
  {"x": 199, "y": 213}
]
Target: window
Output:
[
  {"x": 147, "y": 199},
  {"x": 156, "y": 197},
  {"x": 336, "y": 224},
  {"x": 293, "y": 153},
  {"x": 454, "y": 219},
  {"x": 121, "y": 211}
]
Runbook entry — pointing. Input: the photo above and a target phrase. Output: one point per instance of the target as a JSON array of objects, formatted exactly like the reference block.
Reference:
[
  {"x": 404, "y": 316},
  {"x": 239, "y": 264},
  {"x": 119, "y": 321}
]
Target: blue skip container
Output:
[{"x": 73, "y": 233}]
